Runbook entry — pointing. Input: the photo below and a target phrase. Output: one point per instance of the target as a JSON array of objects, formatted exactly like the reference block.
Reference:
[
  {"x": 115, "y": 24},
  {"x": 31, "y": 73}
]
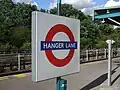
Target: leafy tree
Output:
[
  {"x": 101, "y": 44},
  {"x": 15, "y": 23},
  {"x": 20, "y": 36},
  {"x": 15, "y": 26},
  {"x": 68, "y": 11},
  {"x": 26, "y": 46}
]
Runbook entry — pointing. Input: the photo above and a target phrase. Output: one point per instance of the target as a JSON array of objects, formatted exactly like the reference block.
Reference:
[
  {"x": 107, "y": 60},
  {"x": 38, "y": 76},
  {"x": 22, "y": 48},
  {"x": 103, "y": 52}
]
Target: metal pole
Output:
[
  {"x": 18, "y": 62},
  {"x": 96, "y": 54},
  {"x": 110, "y": 42},
  {"x": 58, "y": 6},
  {"x": 58, "y": 83},
  {"x": 109, "y": 63},
  {"x": 105, "y": 53},
  {"x": 61, "y": 84},
  {"x": 87, "y": 55}
]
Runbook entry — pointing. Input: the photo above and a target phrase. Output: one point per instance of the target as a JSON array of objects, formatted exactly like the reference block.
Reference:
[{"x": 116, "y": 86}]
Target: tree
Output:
[
  {"x": 15, "y": 26},
  {"x": 15, "y": 23},
  {"x": 20, "y": 36},
  {"x": 67, "y": 10},
  {"x": 26, "y": 46}
]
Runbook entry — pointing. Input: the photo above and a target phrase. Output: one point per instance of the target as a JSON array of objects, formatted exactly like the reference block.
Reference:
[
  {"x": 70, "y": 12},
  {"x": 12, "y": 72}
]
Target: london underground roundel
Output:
[{"x": 48, "y": 45}]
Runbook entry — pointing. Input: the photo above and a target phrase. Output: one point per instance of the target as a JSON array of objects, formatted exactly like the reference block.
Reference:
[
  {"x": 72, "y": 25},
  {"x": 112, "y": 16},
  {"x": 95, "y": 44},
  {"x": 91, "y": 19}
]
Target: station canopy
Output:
[{"x": 109, "y": 15}]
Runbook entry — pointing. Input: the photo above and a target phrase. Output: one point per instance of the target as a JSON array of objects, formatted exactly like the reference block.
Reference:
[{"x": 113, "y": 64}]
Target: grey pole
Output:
[
  {"x": 58, "y": 7},
  {"x": 109, "y": 63},
  {"x": 105, "y": 53},
  {"x": 60, "y": 81},
  {"x": 110, "y": 42},
  {"x": 87, "y": 55},
  {"x": 97, "y": 54}
]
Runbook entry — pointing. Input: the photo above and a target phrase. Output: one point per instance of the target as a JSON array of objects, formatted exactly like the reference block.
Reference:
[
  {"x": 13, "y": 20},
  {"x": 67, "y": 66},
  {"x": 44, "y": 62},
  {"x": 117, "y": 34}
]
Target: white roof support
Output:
[{"x": 114, "y": 21}]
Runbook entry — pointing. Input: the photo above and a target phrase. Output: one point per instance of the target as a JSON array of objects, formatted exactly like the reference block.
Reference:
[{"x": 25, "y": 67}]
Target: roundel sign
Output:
[
  {"x": 48, "y": 45},
  {"x": 55, "y": 46}
]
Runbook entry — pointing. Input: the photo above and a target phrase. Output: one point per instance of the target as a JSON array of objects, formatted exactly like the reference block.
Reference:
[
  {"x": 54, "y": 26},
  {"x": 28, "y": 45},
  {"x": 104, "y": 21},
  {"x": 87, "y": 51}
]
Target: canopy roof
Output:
[{"x": 108, "y": 15}]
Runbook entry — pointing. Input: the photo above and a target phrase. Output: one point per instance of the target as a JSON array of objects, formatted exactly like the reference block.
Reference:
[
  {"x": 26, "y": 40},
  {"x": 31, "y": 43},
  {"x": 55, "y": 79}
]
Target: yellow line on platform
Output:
[
  {"x": 3, "y": 78},
  {"x": 20, "y": 75}
]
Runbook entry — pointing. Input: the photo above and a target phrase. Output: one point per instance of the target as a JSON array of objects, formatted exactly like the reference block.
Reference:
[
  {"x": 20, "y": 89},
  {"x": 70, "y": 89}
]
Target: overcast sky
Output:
[{"x": 85, "y": 6}]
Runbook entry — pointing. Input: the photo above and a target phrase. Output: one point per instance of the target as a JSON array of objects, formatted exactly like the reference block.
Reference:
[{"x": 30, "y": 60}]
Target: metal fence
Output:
[
  {"x": 20, "y": 61},
  {"x": 98, "y": 54},
  {"x": 13, "y": 63}
]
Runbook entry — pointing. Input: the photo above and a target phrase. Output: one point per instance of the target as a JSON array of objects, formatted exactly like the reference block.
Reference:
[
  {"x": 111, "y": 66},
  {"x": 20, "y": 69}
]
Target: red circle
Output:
[{"x": 53, "y": 60}]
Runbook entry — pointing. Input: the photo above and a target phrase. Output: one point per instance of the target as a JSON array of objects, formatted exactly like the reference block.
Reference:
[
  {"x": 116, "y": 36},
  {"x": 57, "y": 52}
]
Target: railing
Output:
[
  {"x": 99, "y": 54},
  {"x": 13, "y": 63},
  {"x": 21, "y": 61}
]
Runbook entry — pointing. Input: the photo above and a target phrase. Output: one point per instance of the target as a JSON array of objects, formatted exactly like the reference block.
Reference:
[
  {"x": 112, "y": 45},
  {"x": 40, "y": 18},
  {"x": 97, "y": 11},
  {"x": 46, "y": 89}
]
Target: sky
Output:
[{"x": 85, "y": 6}]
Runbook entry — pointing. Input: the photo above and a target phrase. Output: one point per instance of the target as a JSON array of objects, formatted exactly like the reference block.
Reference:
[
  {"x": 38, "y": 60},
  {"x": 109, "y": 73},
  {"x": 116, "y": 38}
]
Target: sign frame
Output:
[{"x": 72, "y": 67}]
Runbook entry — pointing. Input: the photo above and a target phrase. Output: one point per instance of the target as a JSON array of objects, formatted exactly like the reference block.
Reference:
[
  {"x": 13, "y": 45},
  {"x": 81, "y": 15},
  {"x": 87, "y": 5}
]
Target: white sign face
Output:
[{"x": 55, "y": 46}]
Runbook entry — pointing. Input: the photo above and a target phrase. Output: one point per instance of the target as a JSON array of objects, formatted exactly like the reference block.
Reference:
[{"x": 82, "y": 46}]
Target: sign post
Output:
[
  {"x": 55, "y": 47},
  {"x": 60, "y": 85},
  {"x": 109, "y": 42},
  {"x": 58, "y": 6}
]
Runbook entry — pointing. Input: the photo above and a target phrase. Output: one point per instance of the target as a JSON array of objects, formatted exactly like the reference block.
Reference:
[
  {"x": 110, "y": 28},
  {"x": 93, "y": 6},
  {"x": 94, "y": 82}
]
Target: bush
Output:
[
  {"x": 101, "y": 44},
  {"x": 26, "y": 46}
]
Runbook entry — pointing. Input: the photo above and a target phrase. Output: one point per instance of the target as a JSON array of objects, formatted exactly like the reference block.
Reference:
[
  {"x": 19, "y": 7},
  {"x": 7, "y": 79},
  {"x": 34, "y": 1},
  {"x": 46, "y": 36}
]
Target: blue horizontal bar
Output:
[
  {"x": 107, "y": 15},
  {"x": 58, "y": 45}
]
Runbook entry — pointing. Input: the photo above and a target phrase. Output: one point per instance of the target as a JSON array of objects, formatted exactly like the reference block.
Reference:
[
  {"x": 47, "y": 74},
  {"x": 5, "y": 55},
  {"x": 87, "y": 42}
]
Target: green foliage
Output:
[
  {"x": 7, "y": 47},
  {"x": 92, "y": 35},
  {"x": 20, "y": 36},
  {"x": 101, "y": 44},
  {"x": 68, "y": 11},
  {"x": 26, "y": 46},
  {"x": 15, "y": 26}
]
